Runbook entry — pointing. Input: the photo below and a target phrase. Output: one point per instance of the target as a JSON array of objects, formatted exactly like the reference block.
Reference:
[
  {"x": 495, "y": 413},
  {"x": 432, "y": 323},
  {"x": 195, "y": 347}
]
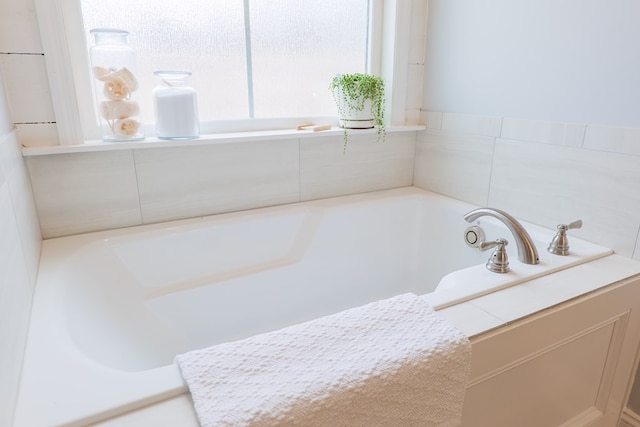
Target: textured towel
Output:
[{"x": 393, "y": 362}]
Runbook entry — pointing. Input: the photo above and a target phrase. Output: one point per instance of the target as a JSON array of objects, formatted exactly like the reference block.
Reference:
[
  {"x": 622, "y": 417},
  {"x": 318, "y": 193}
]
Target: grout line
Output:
[
  {"x": 135, "y": 172},
  {"x": 493, "y": 157},
  {"x": 22, "y": 53},
  {"x": 34, "y": 123},
  {"x": 635, "y": 246}
]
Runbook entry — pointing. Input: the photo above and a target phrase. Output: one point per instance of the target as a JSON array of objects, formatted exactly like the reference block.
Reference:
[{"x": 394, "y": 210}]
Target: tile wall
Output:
[
  {"x": 545, "y": 172},
  {"x": 19, "y": 256},
  {"x": 80, "y": 192}
]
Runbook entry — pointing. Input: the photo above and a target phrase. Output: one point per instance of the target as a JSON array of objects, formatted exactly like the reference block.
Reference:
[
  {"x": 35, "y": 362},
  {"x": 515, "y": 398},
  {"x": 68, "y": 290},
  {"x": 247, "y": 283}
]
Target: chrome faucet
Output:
[{"x": 527, "y": 252}]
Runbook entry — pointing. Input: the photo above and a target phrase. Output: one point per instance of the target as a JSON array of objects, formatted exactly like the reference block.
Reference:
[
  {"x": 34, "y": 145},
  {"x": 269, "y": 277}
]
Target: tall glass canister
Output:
[
  {"x": 176, "y": 107},
  {"x": 113, "y": 64}
]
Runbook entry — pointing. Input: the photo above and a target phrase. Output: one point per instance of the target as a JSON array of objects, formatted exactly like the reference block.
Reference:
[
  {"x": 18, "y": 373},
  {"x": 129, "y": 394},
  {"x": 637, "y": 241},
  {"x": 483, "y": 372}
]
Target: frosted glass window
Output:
[{"x": 249, "y": 58}]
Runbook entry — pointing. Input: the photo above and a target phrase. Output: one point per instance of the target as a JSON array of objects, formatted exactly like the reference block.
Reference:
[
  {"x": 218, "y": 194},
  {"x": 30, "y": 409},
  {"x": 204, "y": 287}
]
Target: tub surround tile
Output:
[
  {"x": 454, "y": 164},
  {"x": 27, "y": 88},
  {"x": 13, "y": 165},
  {"x": 613, "y": 139},
  {"x": 561, "y": 286},
  {"x": 326, "y": 170},
  {"x": 84, "y": 192},
  {"x": 470, "y": 319},
  {"x": 472, "y": 124},
  {"x": 567, "y": 134},
  {"x": 187, "y": 182},
  {"x": 37, "y": 134},
  {"x": 6, "y": 123},
  {"x": 551, "y": 185},
  {"x": 19, "y": 30},
  {"x": 432, "y": 119},
  {"x": 16, "y": 290}
]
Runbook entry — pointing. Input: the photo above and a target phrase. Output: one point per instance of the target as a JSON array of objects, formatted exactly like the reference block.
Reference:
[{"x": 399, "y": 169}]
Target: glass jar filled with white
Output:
[
  {"x": 113, "y": 64},
  {"x": 176, "y": 106}
]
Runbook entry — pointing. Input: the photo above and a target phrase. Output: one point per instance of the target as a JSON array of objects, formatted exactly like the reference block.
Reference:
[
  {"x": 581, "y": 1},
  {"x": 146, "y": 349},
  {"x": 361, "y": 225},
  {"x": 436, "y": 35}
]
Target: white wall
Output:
[
  {"x": 570, "y": 60},
  {"x": 19, "y": 240}
]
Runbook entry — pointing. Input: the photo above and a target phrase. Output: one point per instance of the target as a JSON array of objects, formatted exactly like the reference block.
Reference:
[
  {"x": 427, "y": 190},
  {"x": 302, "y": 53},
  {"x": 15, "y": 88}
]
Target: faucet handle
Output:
[
  {"x": 499, "y": 260},
  {"x": 560, "y": 243},
  {"x": 571, "y": 225}
]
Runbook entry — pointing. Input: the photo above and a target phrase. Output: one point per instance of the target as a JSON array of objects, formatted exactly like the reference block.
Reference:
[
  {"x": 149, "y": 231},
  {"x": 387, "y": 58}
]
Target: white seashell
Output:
[
  {"x": 112, "y": 110},
  {"x": 126, "y": 128}
]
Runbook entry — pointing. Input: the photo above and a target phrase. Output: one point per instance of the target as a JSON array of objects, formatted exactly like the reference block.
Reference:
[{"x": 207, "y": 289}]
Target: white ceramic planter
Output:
[
  {"x": 354, "y": 119},
  {"x": 357, "y": 119}
]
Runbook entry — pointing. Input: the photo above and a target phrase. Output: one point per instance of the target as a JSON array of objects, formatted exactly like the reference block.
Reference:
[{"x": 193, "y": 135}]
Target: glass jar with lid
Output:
[
  {"x": 113, "y": 64},
  {"x": 176, "y": 106}
]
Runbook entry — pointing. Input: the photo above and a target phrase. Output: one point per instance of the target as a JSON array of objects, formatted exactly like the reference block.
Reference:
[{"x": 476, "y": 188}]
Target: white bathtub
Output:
[{"x": 113, "y": 308}]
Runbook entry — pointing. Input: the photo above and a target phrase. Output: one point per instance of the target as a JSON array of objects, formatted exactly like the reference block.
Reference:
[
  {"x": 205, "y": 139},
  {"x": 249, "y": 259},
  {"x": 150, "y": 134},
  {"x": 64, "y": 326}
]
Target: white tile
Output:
[
  {"x": 367, "y": 165},
  {"x": 203, "y": 180},
  {"x": 568, "y": 134},
  {"x": 6, "y": 122},
  {"x": 3, "y": 160},
  {"x": 472, "y": 124},
  {"x": 456, "y": 165},
  {"x": 27, "y": 88},
  {"x": 83, "y": 192},
  {"x": 19, "y": 27},
  {"x": 22, "y": 202},
  {"x": 37, "y": 134},
  {"x": 522, "y": 300},
  {"x": 512, "y": 303},
  {"x": 613, "y": 139},
  {"x": 432, "y": 119},
  {"x": 470, "y": 319},
  {"x": 15, "y": 306},
  {"x": 10, "y": 155},
  {"x": 551, "y": 185}
]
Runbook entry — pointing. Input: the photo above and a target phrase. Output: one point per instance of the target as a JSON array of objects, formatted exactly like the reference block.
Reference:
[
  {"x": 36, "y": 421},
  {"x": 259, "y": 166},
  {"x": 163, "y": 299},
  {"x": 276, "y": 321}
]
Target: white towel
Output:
[{"x": 393, "y": 362}]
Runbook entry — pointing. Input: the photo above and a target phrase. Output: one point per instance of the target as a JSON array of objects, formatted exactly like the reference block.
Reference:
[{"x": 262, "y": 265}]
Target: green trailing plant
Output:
[{"x": 351, "y": 91}]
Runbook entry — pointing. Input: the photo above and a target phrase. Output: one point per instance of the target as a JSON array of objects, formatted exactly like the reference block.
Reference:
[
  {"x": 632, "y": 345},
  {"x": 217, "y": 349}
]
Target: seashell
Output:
[
  {"x": 126, "y": 128},
  {"x": 120, "y": 109}
]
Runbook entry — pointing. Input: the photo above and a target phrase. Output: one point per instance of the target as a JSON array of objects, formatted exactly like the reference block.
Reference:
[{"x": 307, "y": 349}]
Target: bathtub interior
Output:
[{"x": 135, "y": 299}]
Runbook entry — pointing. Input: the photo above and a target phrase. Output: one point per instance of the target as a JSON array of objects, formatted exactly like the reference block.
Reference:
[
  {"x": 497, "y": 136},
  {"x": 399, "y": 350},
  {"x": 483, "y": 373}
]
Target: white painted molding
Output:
[
  {"x": 395, "y": 57},
  {"x": 59, "y": 69}
]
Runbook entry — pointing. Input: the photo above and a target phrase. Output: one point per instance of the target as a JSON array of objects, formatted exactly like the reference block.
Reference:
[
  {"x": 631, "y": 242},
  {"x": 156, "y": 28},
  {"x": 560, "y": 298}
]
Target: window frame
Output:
[{"x": 66, "y": 58}]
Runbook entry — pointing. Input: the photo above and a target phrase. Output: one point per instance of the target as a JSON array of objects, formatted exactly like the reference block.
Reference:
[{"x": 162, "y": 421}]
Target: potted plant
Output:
[{"x": 360, "y": 101}]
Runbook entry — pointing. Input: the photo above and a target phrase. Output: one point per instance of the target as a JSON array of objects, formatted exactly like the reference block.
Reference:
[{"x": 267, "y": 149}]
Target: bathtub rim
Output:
[{"x": 166, "y": 382}]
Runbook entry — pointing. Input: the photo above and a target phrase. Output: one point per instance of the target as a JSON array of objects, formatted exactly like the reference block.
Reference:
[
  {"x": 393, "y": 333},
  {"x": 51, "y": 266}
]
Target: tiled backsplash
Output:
[
  {"x": 19, "y": 256},
  {"x": 545, "y": 172},
  {"x": 89, "y": 191}
]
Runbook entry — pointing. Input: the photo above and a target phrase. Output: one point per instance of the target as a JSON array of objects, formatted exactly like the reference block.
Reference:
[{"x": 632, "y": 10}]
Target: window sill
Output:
[{"x": 219, "y": 138}]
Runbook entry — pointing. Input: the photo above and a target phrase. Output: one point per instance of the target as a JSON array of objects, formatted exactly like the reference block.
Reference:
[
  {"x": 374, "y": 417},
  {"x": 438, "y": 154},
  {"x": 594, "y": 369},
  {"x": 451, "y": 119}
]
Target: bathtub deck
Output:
[{"x": 57, "y": 365}]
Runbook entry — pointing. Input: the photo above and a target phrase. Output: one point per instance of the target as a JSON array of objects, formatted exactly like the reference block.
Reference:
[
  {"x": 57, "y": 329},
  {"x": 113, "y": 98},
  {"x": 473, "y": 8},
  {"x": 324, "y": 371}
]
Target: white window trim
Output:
[{"x": 71, "y": 87}]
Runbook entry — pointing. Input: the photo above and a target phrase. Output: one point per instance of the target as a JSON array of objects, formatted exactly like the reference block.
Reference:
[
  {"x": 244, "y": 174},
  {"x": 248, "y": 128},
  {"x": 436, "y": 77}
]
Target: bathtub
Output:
[{"x": 113, "y": 308}]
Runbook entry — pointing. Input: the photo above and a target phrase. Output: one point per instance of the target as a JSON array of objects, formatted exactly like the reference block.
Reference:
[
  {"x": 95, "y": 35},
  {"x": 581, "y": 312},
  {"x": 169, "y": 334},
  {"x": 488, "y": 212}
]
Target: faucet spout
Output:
[{"x": 527, "y": 252}]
